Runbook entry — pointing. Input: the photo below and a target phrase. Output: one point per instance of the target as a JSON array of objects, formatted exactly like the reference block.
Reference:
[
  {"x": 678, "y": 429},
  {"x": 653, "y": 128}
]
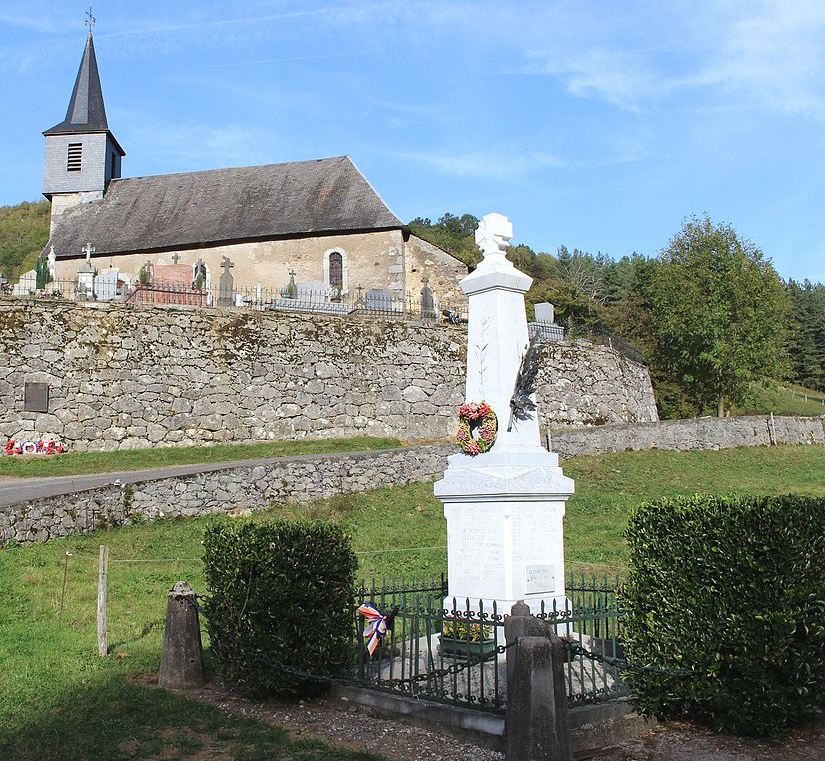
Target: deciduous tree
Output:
[{"x": 719, "y": 314}]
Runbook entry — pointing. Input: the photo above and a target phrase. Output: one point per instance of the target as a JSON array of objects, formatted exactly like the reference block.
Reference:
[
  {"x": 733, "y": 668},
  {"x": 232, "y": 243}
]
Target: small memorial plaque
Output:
[
  {"x": 539, "y": 579},
  {"x": 36, "y": 397}
]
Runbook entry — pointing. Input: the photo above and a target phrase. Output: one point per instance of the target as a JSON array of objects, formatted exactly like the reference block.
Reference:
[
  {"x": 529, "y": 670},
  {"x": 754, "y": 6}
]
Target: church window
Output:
[
  {"x": 336, "y": 270},
  {"x": 74, "y": 157},
  {"x": 113, "y": 168}
]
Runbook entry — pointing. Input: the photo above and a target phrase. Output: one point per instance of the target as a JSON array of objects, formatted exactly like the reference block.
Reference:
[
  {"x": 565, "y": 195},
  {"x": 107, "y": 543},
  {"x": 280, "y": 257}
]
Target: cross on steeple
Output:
[{"x": 90, "y": 20}]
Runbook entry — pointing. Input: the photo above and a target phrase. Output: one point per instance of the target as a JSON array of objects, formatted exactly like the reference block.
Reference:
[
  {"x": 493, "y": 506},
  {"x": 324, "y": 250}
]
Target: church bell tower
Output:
[{"x": 82, "y": 155}]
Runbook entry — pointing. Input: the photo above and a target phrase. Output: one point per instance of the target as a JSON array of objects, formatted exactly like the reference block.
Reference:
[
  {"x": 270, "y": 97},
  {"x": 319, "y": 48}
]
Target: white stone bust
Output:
[{"x": 493, "y": 234}]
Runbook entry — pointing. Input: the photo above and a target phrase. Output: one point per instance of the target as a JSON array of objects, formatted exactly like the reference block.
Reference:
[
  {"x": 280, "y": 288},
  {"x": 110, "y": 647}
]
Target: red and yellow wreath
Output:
[{"x": 477, "y": 427}]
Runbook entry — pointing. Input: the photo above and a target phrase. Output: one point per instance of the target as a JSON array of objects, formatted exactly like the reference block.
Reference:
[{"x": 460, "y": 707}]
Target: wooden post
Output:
[
  {"x": 63, "y": 592},
  {"x": 102, "y": 631}
]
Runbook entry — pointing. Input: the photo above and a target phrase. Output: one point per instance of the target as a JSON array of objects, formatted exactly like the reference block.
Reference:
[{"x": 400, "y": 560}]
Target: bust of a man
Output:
[{"x": 493, "y": 234}]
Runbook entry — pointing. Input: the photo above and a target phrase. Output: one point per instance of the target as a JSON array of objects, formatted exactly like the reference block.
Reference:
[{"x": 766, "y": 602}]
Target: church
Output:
[{"x": 315, "y": 227}]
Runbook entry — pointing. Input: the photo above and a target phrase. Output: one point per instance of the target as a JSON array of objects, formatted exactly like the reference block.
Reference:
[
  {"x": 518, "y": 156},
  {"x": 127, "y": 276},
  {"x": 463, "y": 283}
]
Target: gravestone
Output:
[
  {"x": 504, "y": 508},
  {"x": 105, "y": 285},
  {"x": 172, "y": 276},
  {"x": 545, "y": 312},
  {"x": 85, "y": 283},
  {"x": 313, "y": 291},
  {"x": 378, "y": 299},
  {"x": 199, "y": 274},
  {"x": 26, "y": 285},
  {"x": 427, "y": 300},
  {"x": 226, "y": 284}
]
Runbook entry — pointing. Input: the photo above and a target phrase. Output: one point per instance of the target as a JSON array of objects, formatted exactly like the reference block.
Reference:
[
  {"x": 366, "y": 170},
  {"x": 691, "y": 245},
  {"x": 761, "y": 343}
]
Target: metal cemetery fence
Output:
[
  {"x": 457, "y": 655},
  {"x": 359, "y": 301}
]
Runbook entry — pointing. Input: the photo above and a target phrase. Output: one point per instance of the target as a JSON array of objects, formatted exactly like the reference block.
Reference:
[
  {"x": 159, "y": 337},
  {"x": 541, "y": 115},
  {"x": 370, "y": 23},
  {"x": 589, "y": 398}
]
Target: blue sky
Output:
[{"x": 599, "y": 125}]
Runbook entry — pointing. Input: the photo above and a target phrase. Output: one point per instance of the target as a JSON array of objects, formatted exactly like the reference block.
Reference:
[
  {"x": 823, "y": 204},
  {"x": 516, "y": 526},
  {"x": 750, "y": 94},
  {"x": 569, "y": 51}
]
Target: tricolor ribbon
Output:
[{"x": 377, "y": 626}]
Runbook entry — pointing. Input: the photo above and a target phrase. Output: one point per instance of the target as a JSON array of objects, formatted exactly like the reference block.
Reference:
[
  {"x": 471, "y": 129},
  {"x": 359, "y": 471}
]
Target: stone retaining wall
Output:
[
  {"x": 219, "y": 489},
  {"x": 698, "y": 433},
  {"x": 228, "y": 488},
  {"x": 125, "y": 376}
]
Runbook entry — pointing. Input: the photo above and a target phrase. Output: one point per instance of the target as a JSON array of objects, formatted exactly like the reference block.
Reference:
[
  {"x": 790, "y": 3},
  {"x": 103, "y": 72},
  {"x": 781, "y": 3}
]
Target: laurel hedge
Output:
[
  {"x": 725, "y": 603},
  {"x": 280, "y": 604}
]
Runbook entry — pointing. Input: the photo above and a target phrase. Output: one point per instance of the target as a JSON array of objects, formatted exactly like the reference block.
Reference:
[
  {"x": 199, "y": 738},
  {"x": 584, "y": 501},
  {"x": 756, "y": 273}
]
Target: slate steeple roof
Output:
[{"x": 86, "y": 112}]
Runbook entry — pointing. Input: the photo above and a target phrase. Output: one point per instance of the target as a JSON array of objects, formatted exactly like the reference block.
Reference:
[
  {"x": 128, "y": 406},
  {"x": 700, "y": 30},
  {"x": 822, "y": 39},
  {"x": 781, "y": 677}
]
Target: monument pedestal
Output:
[{"x": 504, "y": 512}]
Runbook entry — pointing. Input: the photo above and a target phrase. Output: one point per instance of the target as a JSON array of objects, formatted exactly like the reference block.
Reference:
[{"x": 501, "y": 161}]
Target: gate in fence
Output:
[{"x": 457, "y": 654}]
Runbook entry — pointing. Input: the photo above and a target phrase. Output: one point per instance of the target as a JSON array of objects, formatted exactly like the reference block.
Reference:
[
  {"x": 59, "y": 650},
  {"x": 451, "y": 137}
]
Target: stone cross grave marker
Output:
[
  {"x": 427, "y": 300},
  {"x": 226, "y": 284}
]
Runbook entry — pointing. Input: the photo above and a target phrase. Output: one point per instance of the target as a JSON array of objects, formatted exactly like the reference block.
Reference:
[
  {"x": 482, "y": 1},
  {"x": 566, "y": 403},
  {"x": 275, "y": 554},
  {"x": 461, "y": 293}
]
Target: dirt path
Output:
[
  {"x": 686, "y": 742},
  {"x": 346, "y": 725}
]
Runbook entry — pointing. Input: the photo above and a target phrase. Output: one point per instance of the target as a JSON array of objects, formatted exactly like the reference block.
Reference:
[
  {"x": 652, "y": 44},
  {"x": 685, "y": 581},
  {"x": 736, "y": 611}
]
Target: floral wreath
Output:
[
  {"x": 12, "y": 447},
  {"x": 476, "y": 419}
]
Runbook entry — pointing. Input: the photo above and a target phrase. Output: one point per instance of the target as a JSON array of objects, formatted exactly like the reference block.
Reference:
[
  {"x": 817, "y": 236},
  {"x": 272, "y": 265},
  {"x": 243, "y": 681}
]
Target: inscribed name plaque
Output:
[
  {"x": 36, "y": 397},
  {"x": 539, "y": 579}
]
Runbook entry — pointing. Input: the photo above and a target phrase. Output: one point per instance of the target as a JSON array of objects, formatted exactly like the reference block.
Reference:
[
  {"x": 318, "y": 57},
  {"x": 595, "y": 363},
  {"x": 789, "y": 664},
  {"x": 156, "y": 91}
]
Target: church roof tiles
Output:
[{"x": 197, "y": 209}]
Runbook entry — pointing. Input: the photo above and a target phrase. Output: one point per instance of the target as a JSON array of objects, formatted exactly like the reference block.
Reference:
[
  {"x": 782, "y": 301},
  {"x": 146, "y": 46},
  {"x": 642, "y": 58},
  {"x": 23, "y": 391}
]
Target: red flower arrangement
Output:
[
  {"x": 55, "y": 446},
  {"x": 477, "y": 427}
]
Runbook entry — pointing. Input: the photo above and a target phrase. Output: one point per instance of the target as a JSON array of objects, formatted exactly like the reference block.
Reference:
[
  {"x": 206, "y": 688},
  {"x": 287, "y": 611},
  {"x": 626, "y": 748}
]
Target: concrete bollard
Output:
[
  {"x": 537, "y": 726},
  {"x": 181, "y": 664}
]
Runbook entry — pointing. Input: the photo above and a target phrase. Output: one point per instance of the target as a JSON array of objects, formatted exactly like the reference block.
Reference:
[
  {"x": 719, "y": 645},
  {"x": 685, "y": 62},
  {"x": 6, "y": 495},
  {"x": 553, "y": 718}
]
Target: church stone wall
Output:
[
  {"x": 125, "y": 376},
  {"x": 443, "y": 273},
  {"x": 372, "y": 260}
]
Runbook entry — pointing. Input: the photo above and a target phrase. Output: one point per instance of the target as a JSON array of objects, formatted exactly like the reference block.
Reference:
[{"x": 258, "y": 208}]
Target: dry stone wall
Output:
[
  {"x": 698, "y": 433},
  {"x": 125, "y": 376},
  {"x": 218, "y": 489}
]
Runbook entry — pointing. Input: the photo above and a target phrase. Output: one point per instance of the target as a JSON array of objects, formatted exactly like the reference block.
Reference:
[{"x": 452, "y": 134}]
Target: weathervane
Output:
[{"x": 90, "y": 20}]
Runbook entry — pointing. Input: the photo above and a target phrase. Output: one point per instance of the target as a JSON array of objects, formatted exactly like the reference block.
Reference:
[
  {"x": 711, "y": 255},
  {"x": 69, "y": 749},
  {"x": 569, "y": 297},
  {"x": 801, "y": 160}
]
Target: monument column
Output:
[{"x": 504, "y": 508}]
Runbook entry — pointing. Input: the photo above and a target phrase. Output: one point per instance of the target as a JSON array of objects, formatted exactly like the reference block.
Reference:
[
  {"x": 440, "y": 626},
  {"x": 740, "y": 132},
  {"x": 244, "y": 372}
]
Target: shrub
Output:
[
  {"x": 281, "y": 594},
  {"x": 730, "y": 591}
]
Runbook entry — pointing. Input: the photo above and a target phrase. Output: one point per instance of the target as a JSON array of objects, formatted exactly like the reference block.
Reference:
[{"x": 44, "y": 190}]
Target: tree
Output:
[
  {"x": 456, "y": 235},
  {"x": 719, "y": 314},
  {"x": 806, "y": 337}
]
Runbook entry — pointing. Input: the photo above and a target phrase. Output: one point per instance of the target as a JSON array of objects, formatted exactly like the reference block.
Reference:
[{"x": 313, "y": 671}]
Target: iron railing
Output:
[
  {"x": 456, "y": 654},
  {"x": 547, "y": 331},
  {"x": 359, "y": 301}
]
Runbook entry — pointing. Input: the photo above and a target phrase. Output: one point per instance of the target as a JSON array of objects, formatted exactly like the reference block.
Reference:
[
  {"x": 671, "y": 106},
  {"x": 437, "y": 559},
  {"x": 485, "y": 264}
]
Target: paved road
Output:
[{"x": 25, "y": 489}]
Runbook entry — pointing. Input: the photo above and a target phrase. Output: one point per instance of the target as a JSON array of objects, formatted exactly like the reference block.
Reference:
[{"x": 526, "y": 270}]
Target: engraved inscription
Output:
[{"x": 539, "y": 579}]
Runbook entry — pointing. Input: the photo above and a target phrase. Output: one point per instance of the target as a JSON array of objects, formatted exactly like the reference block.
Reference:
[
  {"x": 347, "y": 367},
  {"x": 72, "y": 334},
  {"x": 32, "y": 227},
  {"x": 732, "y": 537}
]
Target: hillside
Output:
[{"x": 24, "y": 230}]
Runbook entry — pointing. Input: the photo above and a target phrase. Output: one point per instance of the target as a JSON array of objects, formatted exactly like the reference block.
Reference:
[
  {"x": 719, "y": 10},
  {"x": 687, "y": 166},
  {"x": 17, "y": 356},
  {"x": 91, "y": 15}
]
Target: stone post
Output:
[
  {"x": 181, "y": 664},
  {"x": 537, "y": 726}
]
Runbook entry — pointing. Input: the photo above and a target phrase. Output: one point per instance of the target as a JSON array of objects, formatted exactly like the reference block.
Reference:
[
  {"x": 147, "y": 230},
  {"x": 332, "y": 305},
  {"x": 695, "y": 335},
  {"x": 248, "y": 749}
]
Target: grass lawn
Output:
[
  {"x": 78, "y": 463},
  {"x": 58, "y": 700},
  {"x": 783, "y": 400}
]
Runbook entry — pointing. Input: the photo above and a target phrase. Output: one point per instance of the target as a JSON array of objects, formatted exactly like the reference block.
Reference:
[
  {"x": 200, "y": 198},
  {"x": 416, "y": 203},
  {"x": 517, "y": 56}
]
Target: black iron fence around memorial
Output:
[
  {"x": 454, "y": 651},
  {"x": 424, "y": 305}
]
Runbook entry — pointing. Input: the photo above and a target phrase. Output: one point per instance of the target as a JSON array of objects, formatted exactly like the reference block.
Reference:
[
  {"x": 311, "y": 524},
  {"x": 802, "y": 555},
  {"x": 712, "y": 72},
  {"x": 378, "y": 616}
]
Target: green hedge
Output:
[
  {"x": 732, "y": 592},
  {"x": 280, "y": 593}
]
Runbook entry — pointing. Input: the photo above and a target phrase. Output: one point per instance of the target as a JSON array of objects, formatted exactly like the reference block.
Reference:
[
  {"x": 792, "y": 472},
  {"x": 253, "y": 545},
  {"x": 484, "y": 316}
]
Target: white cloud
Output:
[{"x": 491, "y": 165}]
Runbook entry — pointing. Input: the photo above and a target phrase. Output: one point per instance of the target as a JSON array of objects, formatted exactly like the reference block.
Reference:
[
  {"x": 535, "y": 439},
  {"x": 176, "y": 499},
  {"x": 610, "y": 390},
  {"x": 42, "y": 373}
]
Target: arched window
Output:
[{"x": 336, "y": 270}]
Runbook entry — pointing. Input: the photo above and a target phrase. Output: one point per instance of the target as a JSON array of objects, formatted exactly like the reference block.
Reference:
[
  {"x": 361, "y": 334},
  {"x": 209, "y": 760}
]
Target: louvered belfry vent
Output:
[{"x": 75, "y": 156}]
